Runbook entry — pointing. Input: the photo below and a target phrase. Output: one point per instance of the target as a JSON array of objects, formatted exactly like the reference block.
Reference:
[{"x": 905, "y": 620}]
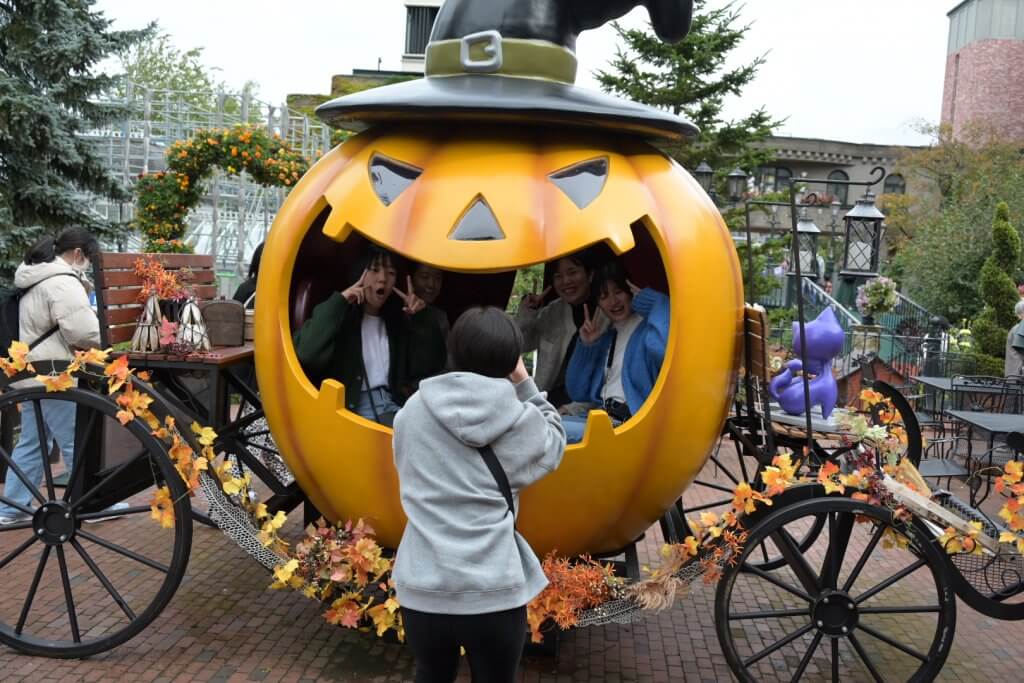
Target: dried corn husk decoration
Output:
[
  {"x": 146, "y": 338},
  {"x": 192, "y": 327}
]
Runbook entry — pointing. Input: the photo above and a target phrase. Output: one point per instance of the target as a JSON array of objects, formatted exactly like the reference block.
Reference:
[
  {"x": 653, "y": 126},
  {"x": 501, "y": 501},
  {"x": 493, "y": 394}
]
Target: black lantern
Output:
[
  {"x": 736, "y": 183},
  {"x": 863, "y": 238},
  {"x": 805, "y": 247},
  {"x": 704, "y": 173}
]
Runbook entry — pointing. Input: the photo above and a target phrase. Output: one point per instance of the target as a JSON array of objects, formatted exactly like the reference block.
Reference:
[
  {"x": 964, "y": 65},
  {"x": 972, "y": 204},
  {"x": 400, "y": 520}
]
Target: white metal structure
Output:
[{"x": 236, "y": 213}]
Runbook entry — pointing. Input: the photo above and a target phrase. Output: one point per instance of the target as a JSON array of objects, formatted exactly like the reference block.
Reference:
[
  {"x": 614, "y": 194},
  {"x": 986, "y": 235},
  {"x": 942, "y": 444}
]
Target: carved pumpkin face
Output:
[{"x": 488, "y": 200}]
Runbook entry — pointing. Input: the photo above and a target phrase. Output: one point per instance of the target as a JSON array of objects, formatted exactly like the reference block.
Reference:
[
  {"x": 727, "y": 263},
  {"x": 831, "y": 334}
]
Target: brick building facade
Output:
[{"x": 985, "y": 67}]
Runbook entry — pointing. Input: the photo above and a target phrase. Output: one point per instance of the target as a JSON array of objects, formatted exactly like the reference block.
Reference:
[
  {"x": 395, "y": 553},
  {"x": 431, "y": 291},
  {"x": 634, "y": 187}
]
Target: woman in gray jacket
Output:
[
  {"x": 55, "y": 319},
  {"x": 463, "y": 574}
]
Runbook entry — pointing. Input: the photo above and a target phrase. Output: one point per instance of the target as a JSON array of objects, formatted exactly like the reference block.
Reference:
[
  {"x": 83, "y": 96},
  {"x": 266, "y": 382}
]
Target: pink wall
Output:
[{"x": 987, "y": 87}]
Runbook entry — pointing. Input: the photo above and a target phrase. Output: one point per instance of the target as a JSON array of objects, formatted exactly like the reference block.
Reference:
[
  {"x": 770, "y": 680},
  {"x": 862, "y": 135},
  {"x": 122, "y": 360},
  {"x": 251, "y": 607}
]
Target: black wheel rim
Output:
[
  {"x": 847, "y": 608},
  {"x": 79, "y": 577}
]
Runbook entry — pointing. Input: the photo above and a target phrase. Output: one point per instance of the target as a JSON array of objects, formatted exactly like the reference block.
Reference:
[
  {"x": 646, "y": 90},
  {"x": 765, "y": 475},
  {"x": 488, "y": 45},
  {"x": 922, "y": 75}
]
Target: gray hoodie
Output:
[{"x": 460, "y": 553}]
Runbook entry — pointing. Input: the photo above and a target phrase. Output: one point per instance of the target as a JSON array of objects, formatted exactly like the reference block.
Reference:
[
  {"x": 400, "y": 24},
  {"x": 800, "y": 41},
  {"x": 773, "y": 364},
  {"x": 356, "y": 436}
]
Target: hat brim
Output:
[{"x": 501, "y": 98}]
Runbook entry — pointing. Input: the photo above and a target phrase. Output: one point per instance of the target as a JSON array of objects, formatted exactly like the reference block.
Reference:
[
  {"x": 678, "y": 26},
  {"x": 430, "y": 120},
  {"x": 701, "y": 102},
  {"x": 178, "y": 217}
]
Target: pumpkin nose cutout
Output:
[{"x": 478, "y": 224}]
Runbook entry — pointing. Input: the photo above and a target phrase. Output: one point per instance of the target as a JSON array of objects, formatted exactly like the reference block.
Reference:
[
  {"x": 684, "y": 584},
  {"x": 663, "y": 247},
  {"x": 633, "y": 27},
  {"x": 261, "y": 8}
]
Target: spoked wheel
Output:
[
  {"x": 853, "y": 606},
  {"x": 712, "y": 491},
  {"x": 86, "y": 568}
]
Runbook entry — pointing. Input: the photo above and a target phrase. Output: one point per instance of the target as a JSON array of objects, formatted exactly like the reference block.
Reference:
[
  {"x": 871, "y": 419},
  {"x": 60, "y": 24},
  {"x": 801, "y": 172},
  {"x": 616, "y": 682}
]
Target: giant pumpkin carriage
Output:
[{"x": 492, "y": 163}]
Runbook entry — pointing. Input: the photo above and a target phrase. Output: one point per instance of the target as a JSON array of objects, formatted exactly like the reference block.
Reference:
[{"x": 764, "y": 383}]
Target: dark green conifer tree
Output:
[
  {"x": 690, "y": 78},
  {"x": 49, "y": 90}
]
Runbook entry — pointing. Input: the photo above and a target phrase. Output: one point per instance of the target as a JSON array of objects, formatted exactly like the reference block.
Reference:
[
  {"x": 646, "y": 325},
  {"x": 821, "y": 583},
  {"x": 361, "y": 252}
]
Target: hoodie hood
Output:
[
  {"x": 26, "y": 276},
  {"x": 475, "y": 409}
]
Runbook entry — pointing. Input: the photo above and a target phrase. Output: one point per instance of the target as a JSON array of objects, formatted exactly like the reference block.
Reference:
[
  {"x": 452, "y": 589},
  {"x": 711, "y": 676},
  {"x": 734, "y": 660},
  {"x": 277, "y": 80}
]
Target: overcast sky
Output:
[{"x": 864, "y": 71}]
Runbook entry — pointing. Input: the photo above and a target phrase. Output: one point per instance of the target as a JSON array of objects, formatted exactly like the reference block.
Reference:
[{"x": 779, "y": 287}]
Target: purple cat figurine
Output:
[{"x": 824, "y": 342}]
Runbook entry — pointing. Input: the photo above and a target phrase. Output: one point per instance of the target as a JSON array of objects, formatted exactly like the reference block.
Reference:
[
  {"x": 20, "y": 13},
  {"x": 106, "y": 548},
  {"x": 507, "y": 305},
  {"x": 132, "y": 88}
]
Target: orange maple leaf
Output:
[
  {"x": 162, "y": 507},
  {"x": 118, "y": 373},
  {"x": 61, "y": 382},
  {"x": 18, "y": 353},
  {"x": 827, "y": 478}
]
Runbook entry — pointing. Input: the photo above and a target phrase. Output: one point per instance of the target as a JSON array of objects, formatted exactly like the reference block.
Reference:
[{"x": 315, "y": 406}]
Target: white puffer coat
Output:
[{"x": 59, "y": 300}]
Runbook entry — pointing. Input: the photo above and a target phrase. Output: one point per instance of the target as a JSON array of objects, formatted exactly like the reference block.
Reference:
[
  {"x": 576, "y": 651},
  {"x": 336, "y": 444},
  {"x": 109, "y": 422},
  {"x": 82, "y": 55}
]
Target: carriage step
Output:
[{"x": 989, "y": 527}]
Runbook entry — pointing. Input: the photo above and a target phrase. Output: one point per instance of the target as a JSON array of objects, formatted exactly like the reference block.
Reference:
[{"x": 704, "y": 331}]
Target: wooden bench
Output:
[{"x": 118, "y": 287}]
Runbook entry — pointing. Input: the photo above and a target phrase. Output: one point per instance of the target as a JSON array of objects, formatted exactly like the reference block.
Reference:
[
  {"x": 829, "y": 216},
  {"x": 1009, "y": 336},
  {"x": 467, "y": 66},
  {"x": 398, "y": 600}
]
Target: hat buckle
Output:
[{"x": 490, "y": 43}]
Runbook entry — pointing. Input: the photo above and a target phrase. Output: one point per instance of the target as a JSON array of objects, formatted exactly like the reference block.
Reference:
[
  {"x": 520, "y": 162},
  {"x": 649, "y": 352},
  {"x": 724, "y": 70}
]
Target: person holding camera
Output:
[
  {"x": 616, "y": 369},
  {"x": 465, "y": 445}
]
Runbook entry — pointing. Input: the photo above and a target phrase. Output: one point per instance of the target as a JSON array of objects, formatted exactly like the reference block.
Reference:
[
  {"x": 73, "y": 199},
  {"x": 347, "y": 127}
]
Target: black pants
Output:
[{"x": 493, "y": 642}]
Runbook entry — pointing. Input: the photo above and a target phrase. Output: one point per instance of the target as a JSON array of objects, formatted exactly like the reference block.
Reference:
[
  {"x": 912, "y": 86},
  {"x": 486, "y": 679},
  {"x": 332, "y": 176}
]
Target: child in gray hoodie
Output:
[{"x": 463, "y": 574}]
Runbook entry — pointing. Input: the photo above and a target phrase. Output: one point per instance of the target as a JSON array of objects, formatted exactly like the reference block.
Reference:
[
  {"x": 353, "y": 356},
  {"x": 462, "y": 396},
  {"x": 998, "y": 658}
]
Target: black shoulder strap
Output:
[
  {"x": 53, "y": 330},
  {"x": 498, "y": 472}
]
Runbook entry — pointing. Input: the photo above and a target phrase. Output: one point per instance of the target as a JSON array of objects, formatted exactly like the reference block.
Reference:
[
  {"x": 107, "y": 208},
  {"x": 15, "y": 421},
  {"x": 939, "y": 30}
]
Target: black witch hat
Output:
[{"x": 515, "y": 60}]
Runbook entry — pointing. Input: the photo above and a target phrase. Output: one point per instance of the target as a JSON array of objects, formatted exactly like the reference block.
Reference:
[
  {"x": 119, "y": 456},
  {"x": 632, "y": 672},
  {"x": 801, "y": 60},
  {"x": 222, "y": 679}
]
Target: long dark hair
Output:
[
  {"x": 47, "y": 249},
  {"x": 254, "y": 265}
]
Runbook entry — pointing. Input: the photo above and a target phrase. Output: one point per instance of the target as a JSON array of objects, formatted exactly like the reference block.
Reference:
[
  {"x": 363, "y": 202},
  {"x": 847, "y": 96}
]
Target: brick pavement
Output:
[{"x": 224, "y": 625}]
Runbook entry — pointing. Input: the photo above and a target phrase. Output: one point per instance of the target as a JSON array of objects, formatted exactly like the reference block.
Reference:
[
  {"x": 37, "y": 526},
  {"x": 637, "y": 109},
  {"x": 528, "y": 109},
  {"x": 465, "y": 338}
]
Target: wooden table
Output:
[{"x": 216, "y": 365}]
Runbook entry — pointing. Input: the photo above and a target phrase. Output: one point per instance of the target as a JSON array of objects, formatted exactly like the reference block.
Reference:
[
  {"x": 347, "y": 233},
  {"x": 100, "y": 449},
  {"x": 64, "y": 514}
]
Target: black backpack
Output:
[{"x": 10, "y": 327}]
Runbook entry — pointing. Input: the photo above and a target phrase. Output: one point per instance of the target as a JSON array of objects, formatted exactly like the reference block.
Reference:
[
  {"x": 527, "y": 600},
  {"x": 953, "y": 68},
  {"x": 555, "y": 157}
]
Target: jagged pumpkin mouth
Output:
[{"x": 326, "y": 257}]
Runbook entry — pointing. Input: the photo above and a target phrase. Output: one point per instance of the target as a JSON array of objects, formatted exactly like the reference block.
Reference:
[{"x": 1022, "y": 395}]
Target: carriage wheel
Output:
[
  {"x": 79, "y": 576},
  {"x": 851, "y": 607},
  {"x": 713, "y": 488}
]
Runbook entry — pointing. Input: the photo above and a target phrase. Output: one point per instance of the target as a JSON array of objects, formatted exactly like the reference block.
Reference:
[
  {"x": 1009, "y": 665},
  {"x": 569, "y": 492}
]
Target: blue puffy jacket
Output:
[{"x": 584, "y": 378}]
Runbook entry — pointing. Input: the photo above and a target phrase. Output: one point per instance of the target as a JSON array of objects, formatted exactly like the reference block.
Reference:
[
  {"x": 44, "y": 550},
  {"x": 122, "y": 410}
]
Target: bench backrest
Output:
[
  {"x": 118, "y": 288},
  {"x": 755, "y": 329}
]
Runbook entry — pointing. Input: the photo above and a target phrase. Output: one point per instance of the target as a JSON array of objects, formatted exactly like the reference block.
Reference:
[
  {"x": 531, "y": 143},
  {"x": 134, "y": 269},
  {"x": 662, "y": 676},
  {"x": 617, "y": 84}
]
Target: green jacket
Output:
[{"x": 330, "y": 346}]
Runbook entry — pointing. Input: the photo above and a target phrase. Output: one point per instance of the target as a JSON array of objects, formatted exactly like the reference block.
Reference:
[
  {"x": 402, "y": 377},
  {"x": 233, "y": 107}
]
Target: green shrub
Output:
[{"x": 998, "y": 292}]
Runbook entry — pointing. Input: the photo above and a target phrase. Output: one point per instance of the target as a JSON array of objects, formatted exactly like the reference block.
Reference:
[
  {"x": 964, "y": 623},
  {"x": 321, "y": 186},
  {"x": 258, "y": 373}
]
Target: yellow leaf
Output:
[
  {"x": 261, "y": 510},
  {"x": 206, "y": 434},
  {"x": 278, "y": 520},
  {"x": 1007, "y": 537},
  {"x": 283, "y": 573}
]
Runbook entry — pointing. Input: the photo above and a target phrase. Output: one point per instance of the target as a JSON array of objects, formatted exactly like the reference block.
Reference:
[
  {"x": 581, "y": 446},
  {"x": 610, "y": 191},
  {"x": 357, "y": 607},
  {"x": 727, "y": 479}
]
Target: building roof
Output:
[{"x": 832, "y": 151}]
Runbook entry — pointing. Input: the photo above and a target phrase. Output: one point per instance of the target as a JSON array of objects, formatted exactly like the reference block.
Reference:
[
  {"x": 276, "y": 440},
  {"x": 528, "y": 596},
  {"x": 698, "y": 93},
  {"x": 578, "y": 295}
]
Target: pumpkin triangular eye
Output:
[
  {"x": 477, "y": 224},
  {"x": 583, "y": 182},
  {"x": 390, "y": 178}
]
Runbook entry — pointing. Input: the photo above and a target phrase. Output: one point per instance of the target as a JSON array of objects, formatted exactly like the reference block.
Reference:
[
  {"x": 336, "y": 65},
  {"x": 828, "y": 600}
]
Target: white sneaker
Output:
[
  {"x": 112, "y": 508},
  {"x": 14, "y": 519}
]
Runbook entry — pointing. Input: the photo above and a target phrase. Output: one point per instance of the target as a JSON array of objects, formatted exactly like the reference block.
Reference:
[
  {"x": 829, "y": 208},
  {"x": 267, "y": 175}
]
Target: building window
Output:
[
  {"x": 895, "y": 184},
  {"x": 773, "y": 178},
  {"x": 419, "y": 24},
  {"x": 840, "y": 192}
]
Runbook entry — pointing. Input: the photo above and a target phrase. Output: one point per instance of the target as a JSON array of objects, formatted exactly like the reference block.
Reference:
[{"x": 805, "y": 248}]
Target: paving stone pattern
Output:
[{"x": 224, "y": 625}]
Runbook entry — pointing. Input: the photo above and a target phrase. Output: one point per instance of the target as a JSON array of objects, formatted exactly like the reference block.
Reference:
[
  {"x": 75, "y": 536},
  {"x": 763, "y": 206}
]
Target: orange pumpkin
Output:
[{"x": 617, "y": 482}]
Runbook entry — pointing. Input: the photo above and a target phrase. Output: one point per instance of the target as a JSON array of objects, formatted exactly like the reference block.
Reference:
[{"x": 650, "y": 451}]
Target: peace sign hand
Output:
[
  {"x": 413, "y": 304},
  {"x": 634, "y": 290},
  {"x": 356, "y": 294},
  {"x": 533, "y": 301},
  {"x": 588, "y": 330}
]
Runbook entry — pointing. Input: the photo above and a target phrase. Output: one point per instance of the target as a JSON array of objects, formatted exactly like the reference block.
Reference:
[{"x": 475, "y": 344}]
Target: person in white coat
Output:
[{"x": 55, "y": 318}]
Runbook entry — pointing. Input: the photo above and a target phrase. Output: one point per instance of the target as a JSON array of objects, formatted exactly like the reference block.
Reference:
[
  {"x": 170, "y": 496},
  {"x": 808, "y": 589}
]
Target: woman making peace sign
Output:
[
  {"x": 373, "y": 337},
  {"x": 617, "y": 368}
]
